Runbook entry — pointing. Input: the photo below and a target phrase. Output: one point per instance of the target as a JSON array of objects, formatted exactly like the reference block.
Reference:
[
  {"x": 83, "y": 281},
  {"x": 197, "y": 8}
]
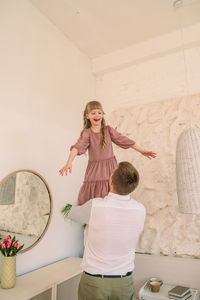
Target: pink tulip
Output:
[
  {"x": 8, "y": 237},
  {"x": 11, "y": 252},
  {"x": 8, "y": 245},
  {"x": 3, "y": 246},
  {"x": 16, "y": 246}
]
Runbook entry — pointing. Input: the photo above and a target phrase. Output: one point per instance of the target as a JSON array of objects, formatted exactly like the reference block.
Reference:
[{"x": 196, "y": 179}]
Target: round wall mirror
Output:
[{"x": 25, "y": 207}]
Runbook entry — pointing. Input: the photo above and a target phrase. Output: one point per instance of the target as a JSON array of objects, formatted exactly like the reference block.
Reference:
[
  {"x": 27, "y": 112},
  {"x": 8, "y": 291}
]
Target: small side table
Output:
[{"x": 146, "y": 294}]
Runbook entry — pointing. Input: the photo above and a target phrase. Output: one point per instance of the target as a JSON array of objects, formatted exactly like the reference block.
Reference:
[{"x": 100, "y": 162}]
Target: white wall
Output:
[
  {"x": 151, "y": 71},
  {"x": 172, "y": 270},
  {"x": 146, "y": 73},
  {"x": 45, "y": 82}
]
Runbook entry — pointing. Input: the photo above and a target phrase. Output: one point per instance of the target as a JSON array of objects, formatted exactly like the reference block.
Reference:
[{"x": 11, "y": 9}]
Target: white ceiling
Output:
[{"x": 100, "y": 27}]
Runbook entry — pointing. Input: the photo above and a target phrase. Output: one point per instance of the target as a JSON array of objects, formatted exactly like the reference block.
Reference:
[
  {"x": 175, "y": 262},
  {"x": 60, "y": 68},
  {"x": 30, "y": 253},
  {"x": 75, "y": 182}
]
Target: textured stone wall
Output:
[{"x": 157, "y": 126}]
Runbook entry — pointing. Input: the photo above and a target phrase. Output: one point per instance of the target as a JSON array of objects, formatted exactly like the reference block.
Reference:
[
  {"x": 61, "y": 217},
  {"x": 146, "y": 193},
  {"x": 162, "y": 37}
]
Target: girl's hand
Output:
[
  {"x": 148, "y": 154},
  {"x": 64, "y": 170}
]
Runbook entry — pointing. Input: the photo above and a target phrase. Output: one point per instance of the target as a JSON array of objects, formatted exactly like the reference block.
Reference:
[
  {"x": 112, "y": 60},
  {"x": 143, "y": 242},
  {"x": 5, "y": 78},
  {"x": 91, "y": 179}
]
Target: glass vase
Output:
[{"x": 8, "y": 275}]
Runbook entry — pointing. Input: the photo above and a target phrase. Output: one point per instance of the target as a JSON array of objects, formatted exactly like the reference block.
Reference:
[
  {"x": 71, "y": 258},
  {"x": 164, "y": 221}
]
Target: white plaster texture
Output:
[{"x": 157, "y": 126}]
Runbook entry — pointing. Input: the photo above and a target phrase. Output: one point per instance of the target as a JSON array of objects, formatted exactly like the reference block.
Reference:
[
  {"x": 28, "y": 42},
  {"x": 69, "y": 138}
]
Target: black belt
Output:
[{"x": 109, "y": 276}]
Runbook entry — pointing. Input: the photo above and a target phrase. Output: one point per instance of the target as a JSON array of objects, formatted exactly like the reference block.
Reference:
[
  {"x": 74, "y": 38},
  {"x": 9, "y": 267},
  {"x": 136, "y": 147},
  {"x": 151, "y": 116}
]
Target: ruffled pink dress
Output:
[{"x": 102, "y": 161}]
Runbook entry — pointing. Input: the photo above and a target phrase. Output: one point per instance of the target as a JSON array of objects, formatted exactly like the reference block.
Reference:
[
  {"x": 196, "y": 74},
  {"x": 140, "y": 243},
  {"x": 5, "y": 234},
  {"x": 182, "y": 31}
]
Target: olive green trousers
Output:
[{"x": 97, "y": 288}]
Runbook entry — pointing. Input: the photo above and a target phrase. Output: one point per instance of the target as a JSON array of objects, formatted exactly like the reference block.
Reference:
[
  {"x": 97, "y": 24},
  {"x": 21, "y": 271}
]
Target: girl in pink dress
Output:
[{"x": 97, "y": 138}]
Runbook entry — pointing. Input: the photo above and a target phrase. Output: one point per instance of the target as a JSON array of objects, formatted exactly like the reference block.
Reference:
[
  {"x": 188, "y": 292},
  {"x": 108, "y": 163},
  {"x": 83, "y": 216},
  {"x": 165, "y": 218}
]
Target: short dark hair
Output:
[{"x": 125, "y": 178}]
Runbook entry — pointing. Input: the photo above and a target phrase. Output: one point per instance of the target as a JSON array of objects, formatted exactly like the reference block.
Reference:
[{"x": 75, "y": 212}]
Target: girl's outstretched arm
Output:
[
  {"x": 68, "y": 165},
  {"x": 146, "y": 153},
  {"x": 78, "y": 148},
  {"x": 125, "y": 142}
]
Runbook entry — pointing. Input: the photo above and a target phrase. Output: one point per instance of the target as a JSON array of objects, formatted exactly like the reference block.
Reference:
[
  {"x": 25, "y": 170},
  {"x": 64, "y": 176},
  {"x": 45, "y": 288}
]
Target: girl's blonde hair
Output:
[{"x": 86, "y": 122}]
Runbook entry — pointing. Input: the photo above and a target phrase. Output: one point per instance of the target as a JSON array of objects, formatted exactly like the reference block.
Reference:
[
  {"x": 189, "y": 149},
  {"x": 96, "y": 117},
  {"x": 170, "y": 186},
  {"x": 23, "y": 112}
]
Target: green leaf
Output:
[
  {"x": 47, "y": 214},
  {"x": 65, "y": 211},
  {"x": 13, "y": 239},
  {"x": 20, "y": 248}
]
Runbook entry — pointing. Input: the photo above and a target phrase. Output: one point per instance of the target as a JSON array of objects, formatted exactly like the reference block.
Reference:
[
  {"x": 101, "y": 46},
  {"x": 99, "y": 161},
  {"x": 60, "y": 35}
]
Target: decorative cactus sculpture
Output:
[{"x": 188, "y": 171}]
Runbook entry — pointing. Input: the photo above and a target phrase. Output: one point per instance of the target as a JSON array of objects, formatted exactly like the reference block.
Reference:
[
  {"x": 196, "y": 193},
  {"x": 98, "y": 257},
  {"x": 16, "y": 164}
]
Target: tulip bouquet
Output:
[{"x": 10, "y": 246}]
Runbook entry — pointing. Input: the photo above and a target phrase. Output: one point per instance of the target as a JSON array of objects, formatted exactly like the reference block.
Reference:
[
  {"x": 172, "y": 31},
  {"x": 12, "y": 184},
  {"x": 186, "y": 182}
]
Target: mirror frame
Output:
[{"x": 50, "y": 199}]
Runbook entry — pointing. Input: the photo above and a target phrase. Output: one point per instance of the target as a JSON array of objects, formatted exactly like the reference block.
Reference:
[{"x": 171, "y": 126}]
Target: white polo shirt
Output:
[{"x": 115, "y": 224}]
